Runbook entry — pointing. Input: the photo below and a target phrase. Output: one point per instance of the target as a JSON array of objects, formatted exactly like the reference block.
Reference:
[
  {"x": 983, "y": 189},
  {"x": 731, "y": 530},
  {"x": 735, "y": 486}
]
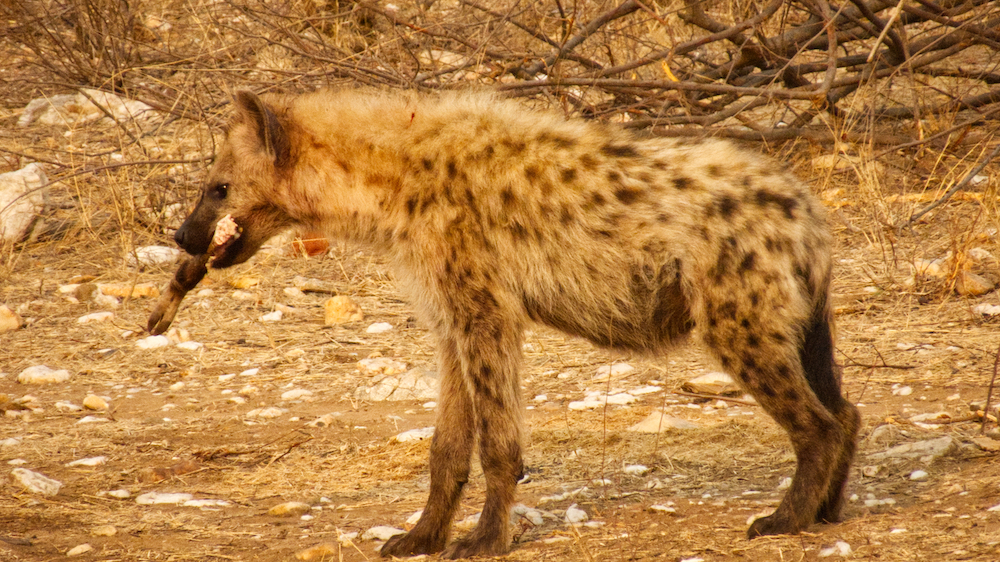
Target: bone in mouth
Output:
[{"x": 225, "y": 230}]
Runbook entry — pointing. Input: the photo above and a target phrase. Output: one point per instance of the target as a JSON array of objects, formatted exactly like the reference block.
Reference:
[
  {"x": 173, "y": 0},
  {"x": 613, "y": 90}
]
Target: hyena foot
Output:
[
  {"x": 413, "y": 543},
  {"x": 829, "y": 509},
  {"x": 477, "y": 544},
  {"x": 775, "y": 524}
]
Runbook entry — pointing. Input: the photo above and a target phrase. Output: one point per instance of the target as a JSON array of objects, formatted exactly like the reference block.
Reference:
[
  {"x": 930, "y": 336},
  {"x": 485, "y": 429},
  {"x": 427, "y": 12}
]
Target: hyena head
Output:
[{"x": 243, "y": 184}]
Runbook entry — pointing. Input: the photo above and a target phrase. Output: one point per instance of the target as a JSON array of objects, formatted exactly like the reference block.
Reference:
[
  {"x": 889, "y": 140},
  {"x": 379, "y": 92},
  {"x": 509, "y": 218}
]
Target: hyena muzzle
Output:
[{"x": 495, "y": 216}]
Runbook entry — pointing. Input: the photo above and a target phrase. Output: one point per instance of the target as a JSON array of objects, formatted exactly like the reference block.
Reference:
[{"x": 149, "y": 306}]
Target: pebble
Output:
[
  {"x": 244, "y": 282},
  {"x": 969, "y": 284},
  {"x": 22, "y": 199},
  {"x": 659, "y": 421},
  {"x": 10, "y": 442},
  {"x": 918, "y": 475},
  {"x": 272, "y": 316},
  {"x": 40, "y": 374},
  {"x": 268, "y": 412},
  {"x": 636, "y": 469},
  {"x": 79, "y": 549},
  {"x": 598, "y": 400},
  {"x": 153, "y": 342},
  {"x": 712, "y": 383},
  {"x": 378, "y": 328},
  {"x": 289, "y": 509},
  {"x": 902, "y": 390},
  {"x": 985, "y": 309},
  {"x": 326, "y": 420},
  {"x": 90, "y": 461},
  {"x": 9, "y": 320},
  {"x": 190, "y": 345},
  {"x": 104, "y": 531},
  {"x": 341, "y": 309},
  {"x": 521, "y": 512},
  {"x": 931, "y": 448},
  {"x": 412, "y": 519},
  {"x": 35, "y": 482},
  {"x": 95, "y": 317},
  {"x": 657, "y": 508},
  {"x": 575, "y": 515},
  {"x": 615, "y": 370},
  {"x": 153, "y": 256},
  {"x": 318, "y": 552},
  {"x": 381, "y": 533},
  {"x": 414, "y": 435},
  {"x": 841, "y": 548},
  {"x": 121, "y": 291},
  {"x": 154, "y": 498},
  {"x": 418, "y": 383},
  {"x": 94, "y": 402},
  {"x": 120, "y": 494},
  {"x": 382, "y": 366},
  {"x": 92, "y": 419},
  {"x": 296, "y": 394},
  {"x": 64, "y": 406}
]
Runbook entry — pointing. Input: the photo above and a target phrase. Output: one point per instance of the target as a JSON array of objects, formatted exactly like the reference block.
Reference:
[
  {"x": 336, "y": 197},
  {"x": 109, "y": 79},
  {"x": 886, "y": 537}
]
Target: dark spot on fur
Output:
[
  {"x": 411, "y": 205},
  {"x": 531, "y": 173},
  {"x": 518, "y": 230},
  {"x": 514, "y": 146},
  {"x": 568, "y": 175},
  {"x": 683, "y": 183},
  {"x": 597, "y": 198},
  {"x": 753, "y": 340},
  {"x": 663, "y": 218},
  {"x": 627, "y": 195},
  {"x": 714, "y": 171},
  {"x": 728, "y": 205},
  {"x": 792, "y": 395},
  {"x": 745, "y": 323},
  {"x": 428, "y": 164},
  {"x": 558, "y": 140},
  {"x": 747, "y": 182},
  {"x": 754, "y": 298},
  {"x": 588, "y": 162},
  {"x": 614, "y": 176},
  {"x": 785, "y": 203},
  {"x": 748, "y": 261},
  {"x": 620, "y": 151},
  {"x": 659, "y": 165},
  {"x": 452, "y": 168},
  {"x": 766, "y": 389},
  {"x": 566, "y": 216},
  {"x": 728, "y": 310},
  {"x": 507, "y": 197}
]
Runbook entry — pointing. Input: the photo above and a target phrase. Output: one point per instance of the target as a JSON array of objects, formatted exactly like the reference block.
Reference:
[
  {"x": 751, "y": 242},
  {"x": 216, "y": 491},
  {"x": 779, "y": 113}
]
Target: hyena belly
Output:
[{"x": 496, "y": 216}]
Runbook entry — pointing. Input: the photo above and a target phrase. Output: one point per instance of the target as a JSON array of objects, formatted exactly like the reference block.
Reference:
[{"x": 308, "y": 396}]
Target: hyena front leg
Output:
[
  {"x": 451, "y": 451},
  {"x": 492, "y": 350}
]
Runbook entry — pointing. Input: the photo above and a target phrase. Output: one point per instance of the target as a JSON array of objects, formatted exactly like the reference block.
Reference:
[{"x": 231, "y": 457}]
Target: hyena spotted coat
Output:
[{"x": 496, "y": 216}]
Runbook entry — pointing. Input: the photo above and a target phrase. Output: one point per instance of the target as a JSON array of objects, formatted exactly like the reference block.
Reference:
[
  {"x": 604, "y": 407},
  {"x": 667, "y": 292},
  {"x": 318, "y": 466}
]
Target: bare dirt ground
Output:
[{"x": 909, "y": 345}]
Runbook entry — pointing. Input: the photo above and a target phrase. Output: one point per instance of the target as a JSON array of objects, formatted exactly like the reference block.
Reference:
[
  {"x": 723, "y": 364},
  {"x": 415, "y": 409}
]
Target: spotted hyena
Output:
[{"x": 495, "y": 216}]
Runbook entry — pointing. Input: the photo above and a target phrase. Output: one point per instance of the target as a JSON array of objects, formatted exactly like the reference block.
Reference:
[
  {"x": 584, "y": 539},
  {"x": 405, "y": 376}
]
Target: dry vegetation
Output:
[{"x": 889, "y": 122}]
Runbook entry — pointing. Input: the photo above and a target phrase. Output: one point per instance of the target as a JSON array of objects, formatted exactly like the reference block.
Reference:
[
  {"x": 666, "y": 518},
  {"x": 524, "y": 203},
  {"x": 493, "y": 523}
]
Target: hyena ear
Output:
[{"x": 271, "y": 133}]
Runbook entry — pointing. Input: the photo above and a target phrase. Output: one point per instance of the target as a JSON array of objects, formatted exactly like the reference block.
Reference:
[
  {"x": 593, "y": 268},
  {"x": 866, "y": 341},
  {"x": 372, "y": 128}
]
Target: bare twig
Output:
[{"x": 955, "y": 189}]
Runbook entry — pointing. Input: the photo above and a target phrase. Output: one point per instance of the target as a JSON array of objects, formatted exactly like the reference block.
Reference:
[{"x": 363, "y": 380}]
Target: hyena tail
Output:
[{"x": 823, "y": 374}]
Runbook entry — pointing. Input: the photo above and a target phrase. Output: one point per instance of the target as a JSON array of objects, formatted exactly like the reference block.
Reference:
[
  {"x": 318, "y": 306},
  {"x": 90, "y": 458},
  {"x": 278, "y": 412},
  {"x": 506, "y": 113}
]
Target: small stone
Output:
[
  {"x": 94, "y": 402},
  {"x": 64, "y": 406},
  {"x": 918, "y": 475},
  {"x": 986, "y": 309},
  {"x": 870, "y": 471},
  {"x": 296, "y": 394},
  {"x": 616, "y": 370},
  {"x": 341, "y": 309},
  {"x": 326, "y": 420},
  {"x": 575, "y": 515},
  {"x": 272, "y": 316},
  {"x": 95, "y": 317},
  {"x": 378, "y": 328},
  {"x": 40, "y": 374},
  {"x": 104, "y": 531},
  {"x": 983, "y": 442},
  {"x": 712, "y": 383},
  {"x": 190, "y": 345},
  {"x": 382, "y": 366},
  {"x": 311, "y": 285},
  {"x": 658, "y": 422},
  {"x": 90, "y": 461},
  {"x": 969, "y": 284},
  {"x": 381, "y": 533},
  {"x": 414, "y": 435},
  {"x": 319, "y": 552},
  {"x": 22, "y": 199},
  {"x": 120, "y": 494},
  {"x": 153, "y": 256},
  {"x": 289, "y": 509},
  {"x": 92, "y": 419},
  {"x": 203, "y": 504},
  {"x": 841, "y": 548},
  {"x": 521, "y": 512},
  {"x": 35, "y": 482},
  {"x": 785, "y": 483},
  {"x": 657, "y": 508},
  {"x": 153, "y": 342},
  {"x": 902, "y": 391},
  {"x": 636, "y": 469},
  {"x": 269, "y": 412},
  {"x": 79, "y": 549},
  {"x": 154, "y": 498},
  {"x": 9, "y": 320},
  {"x": 931, "y": 448},
  {"x": 244, "y": 282}
]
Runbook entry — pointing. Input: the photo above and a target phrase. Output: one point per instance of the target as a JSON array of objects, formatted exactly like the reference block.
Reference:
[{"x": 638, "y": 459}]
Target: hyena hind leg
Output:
[{"x": 450, "y": 457}]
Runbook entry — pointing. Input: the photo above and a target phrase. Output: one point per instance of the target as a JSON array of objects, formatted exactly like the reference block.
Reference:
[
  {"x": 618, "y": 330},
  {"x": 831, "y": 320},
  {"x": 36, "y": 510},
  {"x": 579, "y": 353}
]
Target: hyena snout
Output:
[{"x": 195, "y": 235}]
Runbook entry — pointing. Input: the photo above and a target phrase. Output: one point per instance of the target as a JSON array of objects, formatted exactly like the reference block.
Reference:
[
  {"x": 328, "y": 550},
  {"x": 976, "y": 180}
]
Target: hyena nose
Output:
[{"x": 179, "y": 236}]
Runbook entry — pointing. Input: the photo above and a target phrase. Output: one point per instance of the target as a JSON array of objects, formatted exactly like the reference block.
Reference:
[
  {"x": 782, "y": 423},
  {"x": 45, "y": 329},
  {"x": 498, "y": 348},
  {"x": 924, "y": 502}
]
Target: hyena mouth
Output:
[{"x": 227, "y": 232}]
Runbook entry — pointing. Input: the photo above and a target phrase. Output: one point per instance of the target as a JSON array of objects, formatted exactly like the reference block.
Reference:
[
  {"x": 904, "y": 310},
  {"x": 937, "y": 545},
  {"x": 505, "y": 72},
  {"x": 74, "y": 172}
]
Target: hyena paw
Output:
[
  {"x": 411, "y": 544},
  {"x": 472, "y": 546},
  {"x": 775, "y": 524}
]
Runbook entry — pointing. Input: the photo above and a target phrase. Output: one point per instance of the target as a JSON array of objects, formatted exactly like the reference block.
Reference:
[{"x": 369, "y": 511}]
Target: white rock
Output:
[
  {"x": 296, "y": 394},
  {"x": 418, "y": 383},
  {"x": 94, "y": 402},
  {"x": 40, "y": 374},
  {"x": 269, "y": 412},
  {"x": 575, "y": 515},
  {"x": 412, "y": 520},
  {"x": 659, "y": 421},
  {"x": 636, "y": 469},
  {"x": 153, "y": 256},
  {"x": 692, "y": 559},
  {"x": 35, "y": 482},
  {"x": 657, "y": 508},
  {"x": 120, "y": 494},
  {"x": 841, "y": 548},
  {"x": 272, "y": 316},
  {"x": 153, "y": 498},
  {"x": 381, "y": 533},
  {"x": 79, "y": 549},
  {"x": 382, "y": 365},
  {"x": 80, "y": 108},
  {"x": 95, "y": 317},
  {"x": 929, "y": 448},
  {"x": 190, "y": 345},
  {"x": 10, "y": 442},
  {"x": 250, "y": 372},
  {"x": 205, "y": 503},
  {"x": 902, "y": 391},
  {"x": 21, "y": 201},
  {"x": 414, "y": 435},
  {"x": 92, "y": 419},
  {"x": 90, "y": 461},
  {"x": 468, "y": 522},
  {"x": 615, "y": 370},
  {"x": 994, "y": 508},
  {"x": 378, "y": 328},
  {"x": 104, "y": 531},
  {"x": 648, "y": 389},
  {"x": 918, "y": 475},
  {"x": 785, "y": 483},
  {"x": 521, "y": 512},
  {"x": 64, "y": 406},
  {"x": 986, "y": 309},
  {"x": 9, "y": 320},
  {"x": 153, "y": 342},
  {"x": 712, "y": 383}
]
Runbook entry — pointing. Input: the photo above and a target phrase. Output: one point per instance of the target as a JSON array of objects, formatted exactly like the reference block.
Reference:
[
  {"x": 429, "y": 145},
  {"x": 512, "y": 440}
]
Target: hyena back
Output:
[{"x": 496, "y": 216}]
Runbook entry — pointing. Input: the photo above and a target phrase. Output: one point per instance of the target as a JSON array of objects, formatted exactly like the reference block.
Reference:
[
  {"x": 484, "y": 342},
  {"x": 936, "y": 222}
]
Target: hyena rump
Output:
[{"x": 495, "y": 216}]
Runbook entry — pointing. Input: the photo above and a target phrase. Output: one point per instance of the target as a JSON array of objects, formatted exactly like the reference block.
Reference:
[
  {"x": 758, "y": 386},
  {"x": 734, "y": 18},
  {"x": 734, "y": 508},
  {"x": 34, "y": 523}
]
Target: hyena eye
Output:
[{"x": 218, "y": 192}]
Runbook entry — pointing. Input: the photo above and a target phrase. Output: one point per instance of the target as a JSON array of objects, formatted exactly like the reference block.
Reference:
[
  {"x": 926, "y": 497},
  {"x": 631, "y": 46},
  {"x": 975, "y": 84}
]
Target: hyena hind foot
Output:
[{"x": 476, "y": 545}]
